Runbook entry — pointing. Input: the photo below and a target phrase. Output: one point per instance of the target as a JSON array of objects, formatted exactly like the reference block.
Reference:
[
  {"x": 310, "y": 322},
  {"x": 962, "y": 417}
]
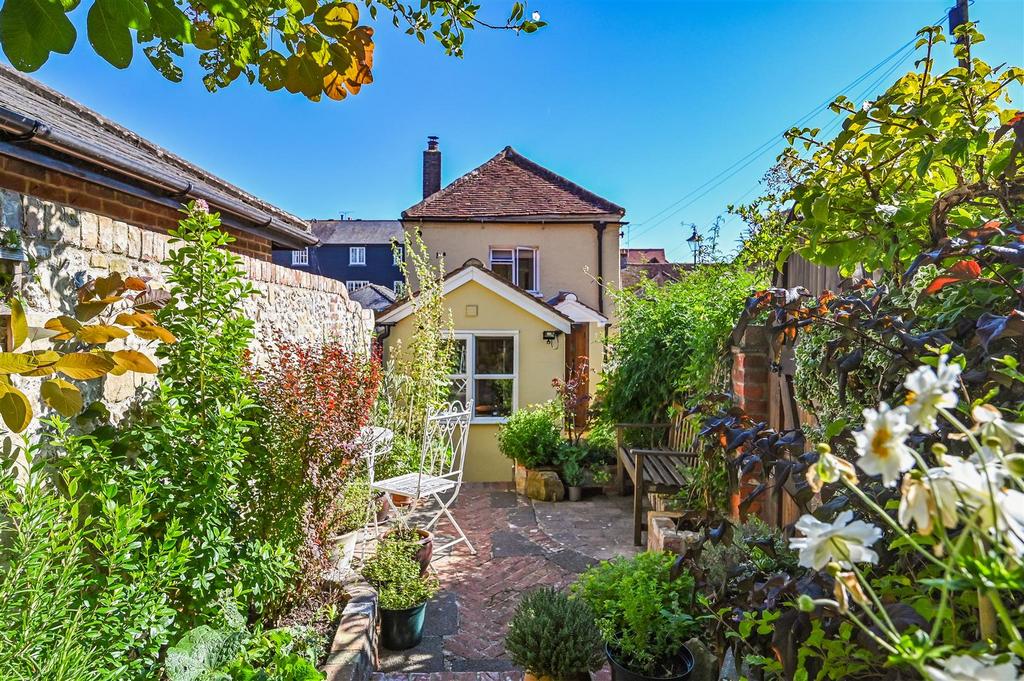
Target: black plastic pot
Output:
[
  {"x": 402, "y": 629},
  {"x": 684, "y": 663}
]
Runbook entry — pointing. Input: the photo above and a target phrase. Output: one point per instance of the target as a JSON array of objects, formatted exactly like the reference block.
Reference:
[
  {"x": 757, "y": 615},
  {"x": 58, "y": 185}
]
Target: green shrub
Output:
[
  {"x": 403, "y": 458},
  {"x": 532, "y": 436},
  {"x": 570, "y": 458},
  {"x": 395, "y": 573},
  {"x": 554, "y": 635},
  {"x": 671, "y": 340},
  {"x": 643, "y": 613}
]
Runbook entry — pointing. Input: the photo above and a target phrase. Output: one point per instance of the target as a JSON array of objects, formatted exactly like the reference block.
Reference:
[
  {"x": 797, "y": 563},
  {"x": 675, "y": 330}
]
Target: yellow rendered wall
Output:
[
  {"x": 539, "y": 362},
  {"x": 568, "y": 252}
]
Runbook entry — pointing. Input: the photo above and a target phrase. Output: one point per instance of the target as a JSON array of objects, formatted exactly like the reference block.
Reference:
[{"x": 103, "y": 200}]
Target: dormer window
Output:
[{"x": 517, "y": 264}]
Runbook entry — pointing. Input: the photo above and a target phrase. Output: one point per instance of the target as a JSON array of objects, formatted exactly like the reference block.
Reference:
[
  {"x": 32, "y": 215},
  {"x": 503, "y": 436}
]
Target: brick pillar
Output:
[{"x": 750, "y": 387}]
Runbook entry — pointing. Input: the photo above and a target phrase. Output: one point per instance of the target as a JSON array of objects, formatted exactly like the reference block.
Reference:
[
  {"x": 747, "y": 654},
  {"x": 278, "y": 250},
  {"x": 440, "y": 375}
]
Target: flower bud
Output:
[
  {"x": 1015, "y": 464},
  {"x": 939, "y": 449},
  {"x": 823, "y": 448},
  {"x": 805, "y": 603}
]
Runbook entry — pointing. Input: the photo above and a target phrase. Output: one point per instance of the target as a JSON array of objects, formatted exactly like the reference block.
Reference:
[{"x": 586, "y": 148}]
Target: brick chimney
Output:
[{"x": 431, "y": 167}]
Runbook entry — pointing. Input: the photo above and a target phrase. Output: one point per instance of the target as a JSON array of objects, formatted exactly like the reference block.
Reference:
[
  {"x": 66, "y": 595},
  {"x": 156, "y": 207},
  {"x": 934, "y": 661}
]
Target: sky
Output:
[{"x": 648, "y": 103}]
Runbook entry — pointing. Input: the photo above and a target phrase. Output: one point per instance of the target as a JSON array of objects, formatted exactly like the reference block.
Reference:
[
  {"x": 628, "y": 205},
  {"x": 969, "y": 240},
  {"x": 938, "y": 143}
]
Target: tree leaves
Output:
[
  {"x": 133, "y": 360},
  {"x": 84, "y": 366},
  {"x": 31, "y": 29},
  {"x": 19, "y": 324},
  {"x": 63, "y": 397},
  {"x": 109, "y": 23},
  {"x": 15, "y": 408}
]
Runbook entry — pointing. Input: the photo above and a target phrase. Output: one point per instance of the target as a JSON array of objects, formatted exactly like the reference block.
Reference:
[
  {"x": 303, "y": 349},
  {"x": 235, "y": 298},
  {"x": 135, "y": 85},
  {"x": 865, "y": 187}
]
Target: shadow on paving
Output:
[{"x": 521, "y": 545}]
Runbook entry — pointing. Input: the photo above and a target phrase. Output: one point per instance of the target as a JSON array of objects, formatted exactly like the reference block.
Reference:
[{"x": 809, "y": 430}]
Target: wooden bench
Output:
[{"x": 654, "y": 468}]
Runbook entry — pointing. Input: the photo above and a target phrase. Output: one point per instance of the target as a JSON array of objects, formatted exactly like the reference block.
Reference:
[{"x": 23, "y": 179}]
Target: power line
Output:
[{"x": 750, "y": 157}]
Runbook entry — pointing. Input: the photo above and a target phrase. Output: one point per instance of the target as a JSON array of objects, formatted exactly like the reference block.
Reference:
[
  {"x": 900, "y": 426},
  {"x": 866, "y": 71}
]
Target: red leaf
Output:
[{"x": 964, "y": 270}]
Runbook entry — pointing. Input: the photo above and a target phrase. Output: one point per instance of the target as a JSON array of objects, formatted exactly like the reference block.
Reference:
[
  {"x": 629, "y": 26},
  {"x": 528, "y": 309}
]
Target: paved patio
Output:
[{"x": 521, "y": 544}]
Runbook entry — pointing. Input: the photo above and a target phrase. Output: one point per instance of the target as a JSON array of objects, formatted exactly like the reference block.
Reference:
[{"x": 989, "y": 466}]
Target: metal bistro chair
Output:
[
  {"x": 373, "y": 442},
  {"x": 442, "y": 459}
]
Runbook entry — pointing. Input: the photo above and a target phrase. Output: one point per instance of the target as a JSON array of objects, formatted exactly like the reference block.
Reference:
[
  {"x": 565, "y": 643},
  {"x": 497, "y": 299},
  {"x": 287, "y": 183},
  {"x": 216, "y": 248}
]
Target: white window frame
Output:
[
  {"x": 398, "y": 254},
  {"x": 534, "y": 286},
  {"x": 355, "y": 284},
  {"x": 398, "y": 287},
  {"x": 300, "y": 258},
  {"x": 471, "y": 376},
  {"x": 357, "y": 255}
]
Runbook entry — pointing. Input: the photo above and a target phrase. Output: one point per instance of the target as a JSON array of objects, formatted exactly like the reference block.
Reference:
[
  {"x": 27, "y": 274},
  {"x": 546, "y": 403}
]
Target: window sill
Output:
[{"x": 488, "y": 419}]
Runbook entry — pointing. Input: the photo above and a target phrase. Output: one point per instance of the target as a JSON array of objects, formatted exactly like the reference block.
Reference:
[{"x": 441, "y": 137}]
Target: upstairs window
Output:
[
  {"x": 399, "y": 254},
  {"x": 300, "y": 257},
  {"x": 355, "y": 284},
  {"x": 357, "y": 255},
  {"x": 519, "y": 265},
  {"x": 399, "y": 288}
]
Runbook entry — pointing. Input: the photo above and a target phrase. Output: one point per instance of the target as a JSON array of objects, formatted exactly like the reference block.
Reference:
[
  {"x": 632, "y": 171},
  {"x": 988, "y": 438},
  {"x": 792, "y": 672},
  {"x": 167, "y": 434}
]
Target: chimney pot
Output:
[{"x": 431, "y": 167}]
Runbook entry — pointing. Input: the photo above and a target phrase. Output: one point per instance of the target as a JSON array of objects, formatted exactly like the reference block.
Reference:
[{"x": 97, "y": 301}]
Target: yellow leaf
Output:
[
  {"x": 89, "y": 309},
  {"x": 19, "y": 324},
  {"x": 133, "y": 360},
  {"x": 16, "y": 362},
  {"x": 135, "y": 319},
  {"x": 61, "y": 396},
  {"x": 64, "y": 326},
  {"x": 156, "y": 333},
  {"x": 83, "y": 366},
  {"x": 98, "y": 334},
  {"x": 15, "y": 409}
]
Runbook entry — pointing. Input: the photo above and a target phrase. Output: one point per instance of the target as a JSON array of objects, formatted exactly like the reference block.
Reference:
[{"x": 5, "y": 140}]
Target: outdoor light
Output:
[
  {"x": 550, "y": 336},
  {"x": 694, "y": 243}
]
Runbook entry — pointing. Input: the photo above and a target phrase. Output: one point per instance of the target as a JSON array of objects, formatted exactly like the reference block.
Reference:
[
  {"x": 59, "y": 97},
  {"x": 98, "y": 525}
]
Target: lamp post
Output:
[{"x": 694, "y": 243}]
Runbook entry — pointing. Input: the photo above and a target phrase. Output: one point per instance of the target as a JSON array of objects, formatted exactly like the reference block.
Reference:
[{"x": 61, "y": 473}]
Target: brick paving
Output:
[{"x": 521, "y": 544}]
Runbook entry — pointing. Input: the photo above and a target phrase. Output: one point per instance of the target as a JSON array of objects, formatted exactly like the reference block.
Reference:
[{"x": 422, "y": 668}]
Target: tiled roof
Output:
[
  {"x": 62, "y": 115},
  {"x": 357, "y": 231},
  {"x": 373, "y": 297},
  {"x": 511, "y": 186},
  {"x": 660, "y": 273},
  {"x": 644, "y": 256}
]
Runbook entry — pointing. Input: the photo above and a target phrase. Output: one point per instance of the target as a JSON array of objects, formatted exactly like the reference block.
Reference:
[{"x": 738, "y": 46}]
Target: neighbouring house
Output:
[
  {"x": 374, "y": 296},
  {"x": 531, "y": 259},
  {"x": 636, "y": 264},
  {"x": 81, "y": 196},
  {"x": 356, "y": 252}
]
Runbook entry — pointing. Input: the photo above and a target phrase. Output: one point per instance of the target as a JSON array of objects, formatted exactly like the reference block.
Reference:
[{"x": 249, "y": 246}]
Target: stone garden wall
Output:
[{"x": 68, "y": 247}]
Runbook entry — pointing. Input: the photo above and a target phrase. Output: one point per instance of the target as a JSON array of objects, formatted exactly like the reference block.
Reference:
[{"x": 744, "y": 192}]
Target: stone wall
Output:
[{"x": 68, "y": 247}]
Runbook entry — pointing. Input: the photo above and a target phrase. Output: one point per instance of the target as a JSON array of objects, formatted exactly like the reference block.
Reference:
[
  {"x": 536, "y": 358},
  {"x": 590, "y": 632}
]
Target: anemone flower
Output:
[
  {"x": 881, "y": 443},
  {"x": 928, "y": 390},
  {"x": 841, "y": 541}
]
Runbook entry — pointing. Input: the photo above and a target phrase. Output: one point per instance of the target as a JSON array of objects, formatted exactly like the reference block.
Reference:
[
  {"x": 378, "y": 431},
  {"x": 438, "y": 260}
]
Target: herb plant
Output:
[
  {"x": 553, "y": 635},
  {"x": 645, "y": 612},
  {"x": 395, "y": 573}
]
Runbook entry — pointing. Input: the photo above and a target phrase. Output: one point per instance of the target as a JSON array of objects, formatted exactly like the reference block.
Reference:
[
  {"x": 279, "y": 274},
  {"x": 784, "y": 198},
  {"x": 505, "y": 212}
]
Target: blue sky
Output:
[{"x": 641, "y": 101}]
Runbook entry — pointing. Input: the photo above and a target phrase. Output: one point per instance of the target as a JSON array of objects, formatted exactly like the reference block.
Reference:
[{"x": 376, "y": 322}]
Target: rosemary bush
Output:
[{"x": 554, "y": 635}]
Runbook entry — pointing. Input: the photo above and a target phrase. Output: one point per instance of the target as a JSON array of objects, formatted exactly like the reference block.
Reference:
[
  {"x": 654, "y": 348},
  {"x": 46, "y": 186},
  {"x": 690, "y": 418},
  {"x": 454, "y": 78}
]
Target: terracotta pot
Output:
[
  {"x": 426, "y": 548},
  {"x": 400, "y": 500}
]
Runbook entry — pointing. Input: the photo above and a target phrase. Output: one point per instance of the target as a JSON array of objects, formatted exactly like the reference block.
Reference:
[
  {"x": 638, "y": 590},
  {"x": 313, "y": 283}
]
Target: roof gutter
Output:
[{"x": 158, "y": 187}]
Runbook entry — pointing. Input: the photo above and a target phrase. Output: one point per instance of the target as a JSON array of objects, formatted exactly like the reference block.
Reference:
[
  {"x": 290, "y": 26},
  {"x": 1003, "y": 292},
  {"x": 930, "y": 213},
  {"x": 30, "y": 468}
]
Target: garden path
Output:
[{"x": 521, "y": 544}]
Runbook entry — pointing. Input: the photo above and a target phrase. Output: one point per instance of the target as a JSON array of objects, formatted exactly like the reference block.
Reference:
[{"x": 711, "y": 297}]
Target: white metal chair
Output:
[
  {"x": 442, "y": 460},
  {"x": 373, "y": 442}
]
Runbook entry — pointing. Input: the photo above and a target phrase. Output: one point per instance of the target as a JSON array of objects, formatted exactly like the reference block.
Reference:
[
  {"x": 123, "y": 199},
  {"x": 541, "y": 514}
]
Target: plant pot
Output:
[
  {"x": 425, "y": 551},
  {"x": 383, "y": 510},
  {"x": 402, "y": 629},
  {"x": 400, "y": 500},
  {"x": 575, "y": 493},
  {"x": 582, "y": 676},
  {"x": 684, "y": 663},
  {"x": 344, "y": 549}
]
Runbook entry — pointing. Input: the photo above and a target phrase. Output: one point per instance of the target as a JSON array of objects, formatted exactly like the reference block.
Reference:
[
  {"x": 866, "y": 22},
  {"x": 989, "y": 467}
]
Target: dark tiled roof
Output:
[
  {"x": 511, "y": 186},
  {"x": 660, "y": 273},
  {"x": 357, "y": 231},
  {"x": 643, "y": 256},
  {"x": 373, "y": 297},
  {"x": 31, "y": 99}
]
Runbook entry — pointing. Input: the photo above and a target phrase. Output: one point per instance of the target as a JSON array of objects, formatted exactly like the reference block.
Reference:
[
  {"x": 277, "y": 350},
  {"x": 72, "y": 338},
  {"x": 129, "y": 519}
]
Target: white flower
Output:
[
  {"x": 929, "y": 389},
  {"x": 841, "y": 541},
  {"x": 991, "y": 425},
  {"x": 886, "y": 210},
  {"x": 536, "y": 16},
  {"x": 881, "y": 443},
  {"x": 978, "y": 489},
  {"x": 866, "y": 105},
  {"x": 828, "y": 469},
  {"x": 966, "y": 668}
]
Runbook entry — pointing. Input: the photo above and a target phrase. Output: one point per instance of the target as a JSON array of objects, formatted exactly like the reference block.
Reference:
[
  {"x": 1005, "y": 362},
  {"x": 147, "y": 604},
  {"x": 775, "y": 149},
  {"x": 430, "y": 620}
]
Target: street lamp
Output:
[{"x": 694, "y": 243}]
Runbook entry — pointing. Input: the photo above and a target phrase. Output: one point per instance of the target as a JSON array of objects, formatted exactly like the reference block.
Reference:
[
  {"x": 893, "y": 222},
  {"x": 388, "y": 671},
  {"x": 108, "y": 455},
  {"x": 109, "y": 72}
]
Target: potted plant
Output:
[
  {"x": 573, "y": 471},
  {"x": 643, "y": 612},
  {"x": 554, "y": 637},
  {"x": 531, "y": 437},
  {"x": 422, "y": 541},
  {"x": 402, "y": 592}
]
